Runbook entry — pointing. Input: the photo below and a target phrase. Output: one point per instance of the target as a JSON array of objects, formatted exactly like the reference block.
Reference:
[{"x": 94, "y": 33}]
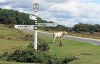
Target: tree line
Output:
[
  {"x": 86, "y": 28},
  {"x": 78, "y": 28},
  {"x": 15, "y": 17}
]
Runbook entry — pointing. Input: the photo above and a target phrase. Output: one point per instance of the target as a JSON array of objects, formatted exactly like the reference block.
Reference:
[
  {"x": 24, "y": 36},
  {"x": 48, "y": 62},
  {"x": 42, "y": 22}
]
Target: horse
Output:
[{"x": 58, "y": 35}]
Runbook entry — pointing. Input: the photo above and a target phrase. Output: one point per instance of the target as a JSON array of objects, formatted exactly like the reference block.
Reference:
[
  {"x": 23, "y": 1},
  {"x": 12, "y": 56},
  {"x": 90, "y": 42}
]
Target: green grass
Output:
[
  {"x": 12, "y": 39},
  {"x": 87, "y": 53}
]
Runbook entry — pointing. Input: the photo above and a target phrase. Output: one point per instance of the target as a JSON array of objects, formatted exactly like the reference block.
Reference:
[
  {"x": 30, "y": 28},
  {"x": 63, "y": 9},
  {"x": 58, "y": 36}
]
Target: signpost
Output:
[
  {"x": 36, "y": 7},
  {"x": 34, "y": 17}
]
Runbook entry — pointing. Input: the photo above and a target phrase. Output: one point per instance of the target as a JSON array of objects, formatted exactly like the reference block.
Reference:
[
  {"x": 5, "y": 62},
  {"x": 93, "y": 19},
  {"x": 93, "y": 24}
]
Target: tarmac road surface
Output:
[{"x": 81, "y": 39}]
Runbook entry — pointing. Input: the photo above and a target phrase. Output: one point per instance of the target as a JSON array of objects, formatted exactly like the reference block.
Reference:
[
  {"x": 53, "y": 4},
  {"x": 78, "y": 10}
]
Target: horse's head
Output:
[{"x": 65, "y": 32}]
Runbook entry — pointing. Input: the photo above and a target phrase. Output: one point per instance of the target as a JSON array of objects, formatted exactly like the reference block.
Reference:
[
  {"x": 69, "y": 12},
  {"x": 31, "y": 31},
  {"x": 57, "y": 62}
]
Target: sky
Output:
[{"x": 64, "y": 12}]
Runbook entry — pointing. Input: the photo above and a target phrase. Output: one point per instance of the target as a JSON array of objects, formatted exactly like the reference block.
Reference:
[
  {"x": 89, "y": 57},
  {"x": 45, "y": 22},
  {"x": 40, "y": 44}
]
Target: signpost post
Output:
[{"x": 36, "y": 7}]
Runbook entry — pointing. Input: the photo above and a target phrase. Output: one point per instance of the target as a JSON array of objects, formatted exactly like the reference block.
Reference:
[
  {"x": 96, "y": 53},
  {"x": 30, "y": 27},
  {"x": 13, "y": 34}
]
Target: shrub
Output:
[
  {"x": 66, "y": 60},
  {"x": 43, "y": 46},
  {"x": 31, "y": 56},
  {"x": 26, "y": 55}
]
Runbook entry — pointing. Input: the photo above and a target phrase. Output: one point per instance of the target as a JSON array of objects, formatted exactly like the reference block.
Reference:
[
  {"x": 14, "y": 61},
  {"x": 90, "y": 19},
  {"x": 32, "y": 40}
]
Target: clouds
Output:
[
  {"x": 66, "y": 12},
  {"x": 76, "y": 11},
  {"x": 2, "y": 1},
  {"x": 5, "y": 4},
  {"x": 77, "y": 8},
  {"x": 69, "y": 7},
  {"x": 56, "y": 1}
]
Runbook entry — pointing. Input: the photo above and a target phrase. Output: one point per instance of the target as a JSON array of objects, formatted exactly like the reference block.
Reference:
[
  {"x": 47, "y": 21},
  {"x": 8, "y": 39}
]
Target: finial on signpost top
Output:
[{"x": 36, "y": 7}]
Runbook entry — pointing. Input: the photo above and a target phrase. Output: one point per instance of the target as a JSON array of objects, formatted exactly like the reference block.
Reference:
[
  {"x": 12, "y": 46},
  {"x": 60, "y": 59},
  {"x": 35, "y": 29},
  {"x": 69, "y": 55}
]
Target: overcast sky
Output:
[{"x": 65, "y": 12}]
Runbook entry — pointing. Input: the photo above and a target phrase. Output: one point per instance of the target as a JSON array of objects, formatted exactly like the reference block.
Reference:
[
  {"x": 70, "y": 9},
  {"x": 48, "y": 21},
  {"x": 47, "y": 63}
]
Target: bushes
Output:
[
  {"x": 26, "y": 55},
  {"x": 43, "y": 46},
  {"x": 30, "y": 56},
  {"x": 66, "y": 60}
]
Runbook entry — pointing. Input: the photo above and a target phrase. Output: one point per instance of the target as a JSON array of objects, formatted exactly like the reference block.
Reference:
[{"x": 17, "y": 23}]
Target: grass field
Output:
[
  {"x": 87, "y": 53},
  {"x": 11, "y": 39},
  {"x": 95, "y": 35}
]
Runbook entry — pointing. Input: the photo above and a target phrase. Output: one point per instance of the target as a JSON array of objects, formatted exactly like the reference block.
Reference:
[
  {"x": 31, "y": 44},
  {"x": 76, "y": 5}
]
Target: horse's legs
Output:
[
  {"x": 54, "y": 39},
  {"x": 60, "y": 42}
]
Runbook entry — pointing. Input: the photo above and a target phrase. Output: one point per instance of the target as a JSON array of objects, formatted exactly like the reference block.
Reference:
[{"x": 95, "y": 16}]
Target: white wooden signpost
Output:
[
  {"x": 34, "y": 17},
  {"x": 36, "y": 7}
]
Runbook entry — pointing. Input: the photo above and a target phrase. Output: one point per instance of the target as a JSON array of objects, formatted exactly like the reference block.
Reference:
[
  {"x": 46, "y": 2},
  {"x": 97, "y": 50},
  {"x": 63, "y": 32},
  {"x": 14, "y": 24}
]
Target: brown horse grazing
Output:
[{"x": 58, "y": 35}]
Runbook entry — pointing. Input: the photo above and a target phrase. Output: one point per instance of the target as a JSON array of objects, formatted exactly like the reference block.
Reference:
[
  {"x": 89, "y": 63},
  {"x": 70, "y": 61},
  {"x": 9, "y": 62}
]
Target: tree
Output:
[{"x": 10, "y": 20}]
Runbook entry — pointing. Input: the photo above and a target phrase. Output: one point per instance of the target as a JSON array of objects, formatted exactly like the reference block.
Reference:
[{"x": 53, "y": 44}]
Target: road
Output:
[{"x": 81, "y": 39}]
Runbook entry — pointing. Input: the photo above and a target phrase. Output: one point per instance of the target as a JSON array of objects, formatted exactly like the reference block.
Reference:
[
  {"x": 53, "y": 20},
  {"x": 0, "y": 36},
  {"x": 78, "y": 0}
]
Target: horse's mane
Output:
[{"x": 61, "y": 31}]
